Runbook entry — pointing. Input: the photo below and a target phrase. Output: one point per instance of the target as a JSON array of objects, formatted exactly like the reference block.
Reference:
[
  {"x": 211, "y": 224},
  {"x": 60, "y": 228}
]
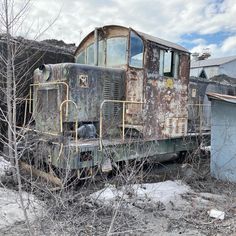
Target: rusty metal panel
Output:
[
  {"x": 166, "y": 98},
  {"x": 134, "y": 92},
  {"x": 184, "y": 68},
  {"x": 152, "y": 57}
]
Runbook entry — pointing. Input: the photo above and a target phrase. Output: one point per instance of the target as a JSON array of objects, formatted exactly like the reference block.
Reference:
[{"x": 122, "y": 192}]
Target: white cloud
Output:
[
  {"x": 166, "y": 19},
  {"x": 196, "y": 41},
  {"x": 225, "y": 48},
  {"x": 213, "y": 49},
  {"x": 229, "y": 44}
]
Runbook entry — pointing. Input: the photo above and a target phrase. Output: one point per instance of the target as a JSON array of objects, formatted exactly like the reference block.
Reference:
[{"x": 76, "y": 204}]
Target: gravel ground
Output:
[{"x": 75, "y": 211}]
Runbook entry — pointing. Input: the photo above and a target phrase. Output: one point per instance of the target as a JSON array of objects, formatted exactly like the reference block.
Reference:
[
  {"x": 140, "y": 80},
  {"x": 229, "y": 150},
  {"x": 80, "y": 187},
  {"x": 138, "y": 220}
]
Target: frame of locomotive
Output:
[{"x": 130, "y": 87}]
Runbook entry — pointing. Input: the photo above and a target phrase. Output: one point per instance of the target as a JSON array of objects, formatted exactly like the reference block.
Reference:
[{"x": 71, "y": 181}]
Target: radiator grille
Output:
[
  {"x": 107, "y": 95},
  {"x": 112, "y": 90}
]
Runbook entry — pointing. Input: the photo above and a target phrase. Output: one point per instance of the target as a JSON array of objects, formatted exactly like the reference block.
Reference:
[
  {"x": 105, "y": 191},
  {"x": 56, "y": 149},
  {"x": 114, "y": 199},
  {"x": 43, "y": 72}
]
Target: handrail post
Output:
[
  {"x": 123, "y": 122},
  {"x": 76, "y": 121},
  {"x": 25, "y": 113},
  {"x": 100, "y": 128},
  {"x": 30, "y": 98}
]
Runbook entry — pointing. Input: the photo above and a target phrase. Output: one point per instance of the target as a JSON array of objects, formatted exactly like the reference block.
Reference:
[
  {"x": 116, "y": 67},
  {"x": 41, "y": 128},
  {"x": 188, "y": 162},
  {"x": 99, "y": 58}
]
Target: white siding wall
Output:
[
  {"x": 228, "y": 69},
  {"x": 195, "y": 72},
  {"x": 211, "y": 71}
]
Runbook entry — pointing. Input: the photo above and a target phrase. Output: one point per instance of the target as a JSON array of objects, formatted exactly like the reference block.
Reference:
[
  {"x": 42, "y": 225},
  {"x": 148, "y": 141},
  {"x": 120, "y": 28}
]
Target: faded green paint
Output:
[
  {"x": 118, "y": 151},
  {"x": 88, "y": 98}
]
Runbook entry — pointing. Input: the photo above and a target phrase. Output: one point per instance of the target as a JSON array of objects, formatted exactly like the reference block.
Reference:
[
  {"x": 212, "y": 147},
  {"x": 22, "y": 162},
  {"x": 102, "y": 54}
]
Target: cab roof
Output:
[{"x": 164, "y": 43}]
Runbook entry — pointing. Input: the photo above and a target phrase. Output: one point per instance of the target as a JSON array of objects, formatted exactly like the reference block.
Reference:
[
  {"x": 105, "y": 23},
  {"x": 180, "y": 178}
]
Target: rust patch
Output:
[
  {"x": 134, "y": 92},
  {"x": 83, "y": 81},
  {"x": 166, "y": 98}
]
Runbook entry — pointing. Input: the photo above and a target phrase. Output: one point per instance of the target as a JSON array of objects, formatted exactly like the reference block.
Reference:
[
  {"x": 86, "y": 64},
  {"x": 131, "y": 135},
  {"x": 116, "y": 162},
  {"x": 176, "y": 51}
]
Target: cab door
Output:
[{"x": 134, "y": 83}]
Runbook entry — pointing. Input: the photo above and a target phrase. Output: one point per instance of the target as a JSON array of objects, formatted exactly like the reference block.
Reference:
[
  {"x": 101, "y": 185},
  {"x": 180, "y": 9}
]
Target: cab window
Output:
[
  {"x": 81, "y": 58},
  {"x": 116, "y": 51},
  {"x": 101, "y": 53},
  {"x": 169, "y": 63},
  {"x": 90, "y": 54},
  {"x": 136, "y": 51}
]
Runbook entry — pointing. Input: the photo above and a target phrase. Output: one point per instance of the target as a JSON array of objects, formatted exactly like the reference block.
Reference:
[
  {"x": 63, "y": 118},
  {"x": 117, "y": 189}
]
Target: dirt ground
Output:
[{"x": 76, "y": 212}]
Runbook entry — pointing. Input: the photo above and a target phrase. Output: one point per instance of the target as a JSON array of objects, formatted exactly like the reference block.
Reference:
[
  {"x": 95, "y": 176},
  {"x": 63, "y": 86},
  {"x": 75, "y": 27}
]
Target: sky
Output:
[{"x": 194, "y": 24}]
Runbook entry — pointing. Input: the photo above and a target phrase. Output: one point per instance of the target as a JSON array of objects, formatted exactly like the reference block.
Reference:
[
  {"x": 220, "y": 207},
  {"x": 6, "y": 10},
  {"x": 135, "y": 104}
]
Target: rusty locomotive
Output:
[{"x": 126, "y": 97}]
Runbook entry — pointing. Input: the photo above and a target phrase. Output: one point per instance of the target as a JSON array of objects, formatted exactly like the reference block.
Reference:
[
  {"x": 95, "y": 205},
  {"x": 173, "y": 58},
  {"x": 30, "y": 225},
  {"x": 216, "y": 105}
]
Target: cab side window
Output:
[
  {"x": 81, "y": 58},
  {"x": 136, "y": 51},
  {"x": 169, "y": 63}
]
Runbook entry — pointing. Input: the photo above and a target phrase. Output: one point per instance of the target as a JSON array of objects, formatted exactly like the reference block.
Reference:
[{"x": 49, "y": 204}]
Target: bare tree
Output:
[
  {"x": 8, "y": 20},
  {"x": 16, "y": 66}
]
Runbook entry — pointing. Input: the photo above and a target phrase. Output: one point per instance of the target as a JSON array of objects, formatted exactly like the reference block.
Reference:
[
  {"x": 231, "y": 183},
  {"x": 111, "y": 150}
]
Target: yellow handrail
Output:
[
  {"x": 50, "y": 83},
  {"x": 76, "y": 120},
  {"x": 26, "y": 106},
  {"x": 25, "y": 113},
  {"x": 123, "y": 117}
]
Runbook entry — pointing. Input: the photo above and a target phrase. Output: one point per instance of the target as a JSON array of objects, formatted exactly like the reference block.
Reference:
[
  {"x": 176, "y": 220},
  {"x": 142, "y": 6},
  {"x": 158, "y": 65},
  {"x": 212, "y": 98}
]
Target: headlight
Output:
[{"x": 46, "y": 71}]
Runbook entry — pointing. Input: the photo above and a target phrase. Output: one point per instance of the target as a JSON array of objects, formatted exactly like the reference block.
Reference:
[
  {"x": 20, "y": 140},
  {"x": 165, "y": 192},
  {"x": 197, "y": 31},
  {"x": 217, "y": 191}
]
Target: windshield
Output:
[
  {"x": 111, "y": 52},
  {"x": 116, "y": 51}
]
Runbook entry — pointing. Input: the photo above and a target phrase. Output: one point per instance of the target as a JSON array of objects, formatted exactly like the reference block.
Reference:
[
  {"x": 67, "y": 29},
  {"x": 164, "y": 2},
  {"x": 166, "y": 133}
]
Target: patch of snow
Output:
[
  {"x": 11, "y": 211},
  {"x": 214, "y": 213},
  {"x": 4, "y": 166},
  {"x": 164, "y": 192},
  {"x": 206, "y": 148}
]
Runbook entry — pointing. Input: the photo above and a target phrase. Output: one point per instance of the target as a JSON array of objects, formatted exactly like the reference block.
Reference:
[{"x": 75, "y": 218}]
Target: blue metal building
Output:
[{"x": 223, "y": 136}]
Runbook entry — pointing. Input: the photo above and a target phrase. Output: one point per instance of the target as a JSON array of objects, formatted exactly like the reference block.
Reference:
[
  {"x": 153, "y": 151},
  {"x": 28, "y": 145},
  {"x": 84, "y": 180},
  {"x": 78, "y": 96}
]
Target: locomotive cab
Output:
[{"x": 156, "y": 78}]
